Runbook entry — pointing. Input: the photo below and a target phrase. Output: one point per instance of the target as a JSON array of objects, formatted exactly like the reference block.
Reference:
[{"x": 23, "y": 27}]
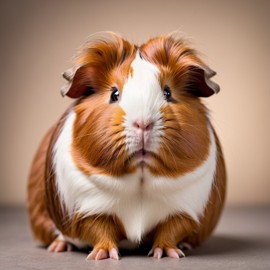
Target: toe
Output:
[
  {"x": 69, "y": 247},
  {"x": 52, "y": 246},
  {"x": 113, "y": 254},
  {"x": 174, "y": 253},
  {"x": 101, "y": 255},
  {"x": 59, "y": 246},
  {"x": 92, "y": 255},
  {"x": 157, "y": 253},
  {"x": 170, "y": 252}
]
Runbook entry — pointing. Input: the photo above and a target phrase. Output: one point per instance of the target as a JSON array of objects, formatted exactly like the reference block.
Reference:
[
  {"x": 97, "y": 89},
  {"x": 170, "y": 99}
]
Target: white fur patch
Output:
[
  {"x": 142, "y": 98},
  {"x": 139, "y": 205}
]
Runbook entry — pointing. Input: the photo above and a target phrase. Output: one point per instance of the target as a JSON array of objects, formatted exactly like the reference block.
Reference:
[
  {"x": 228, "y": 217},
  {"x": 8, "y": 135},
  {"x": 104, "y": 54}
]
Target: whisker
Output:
[{"x": 98, "y": 133}]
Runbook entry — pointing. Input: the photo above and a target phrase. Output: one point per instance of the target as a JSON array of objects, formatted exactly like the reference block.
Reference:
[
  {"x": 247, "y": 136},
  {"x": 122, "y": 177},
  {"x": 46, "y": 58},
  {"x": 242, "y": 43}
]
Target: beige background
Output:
[{"x": 38, "y": 39}]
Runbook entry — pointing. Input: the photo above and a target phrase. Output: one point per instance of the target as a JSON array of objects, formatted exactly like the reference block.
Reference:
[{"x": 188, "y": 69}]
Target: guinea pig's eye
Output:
[
  {"x": 114, "y": 95},
  {"x": 167, "y": 92}
]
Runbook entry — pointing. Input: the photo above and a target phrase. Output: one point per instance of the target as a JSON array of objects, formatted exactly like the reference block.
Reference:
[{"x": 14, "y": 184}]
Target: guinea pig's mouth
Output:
[{"x": 142, "y": 155}]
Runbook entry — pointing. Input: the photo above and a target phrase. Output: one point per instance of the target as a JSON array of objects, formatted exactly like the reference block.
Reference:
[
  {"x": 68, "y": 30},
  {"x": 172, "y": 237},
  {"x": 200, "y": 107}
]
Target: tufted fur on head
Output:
[
  {"x": 110, "y": 50},
  {"x": 103, "y": 135},
  {"x": 95, "y": 65},
  {"x": 180, "y": 64}
]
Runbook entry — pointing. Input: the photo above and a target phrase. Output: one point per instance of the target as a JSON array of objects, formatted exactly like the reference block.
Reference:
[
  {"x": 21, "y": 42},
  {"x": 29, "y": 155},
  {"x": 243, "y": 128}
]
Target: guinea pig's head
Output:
[{"x": 139, "y": 108}]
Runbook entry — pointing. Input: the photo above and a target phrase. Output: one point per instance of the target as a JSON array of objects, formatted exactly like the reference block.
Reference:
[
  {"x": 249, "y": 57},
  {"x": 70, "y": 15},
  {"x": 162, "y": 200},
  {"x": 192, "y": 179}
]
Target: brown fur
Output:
[
  {"x": 99, "y": 146},
  {"x": 56, "y": 212},
  {"x": 102, "y": 231},
  {"x": 186, "y": 140},
  {"x": 99, "y": 143},
  {"x": 185, "y": 143},
  {"x": 103, "y": 64},
  {"x": 42, "y": 226}
]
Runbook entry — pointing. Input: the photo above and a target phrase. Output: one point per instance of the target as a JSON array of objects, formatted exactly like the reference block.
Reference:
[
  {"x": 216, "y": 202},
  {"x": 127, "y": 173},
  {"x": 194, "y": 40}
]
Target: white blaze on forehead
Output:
[
  {"x": 142, "y": 97},
  {"x": 142, "y": 100}
]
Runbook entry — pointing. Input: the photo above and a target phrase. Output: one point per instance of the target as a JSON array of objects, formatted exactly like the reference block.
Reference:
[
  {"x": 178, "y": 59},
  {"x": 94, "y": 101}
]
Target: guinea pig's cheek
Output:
[{"x": 118, "y": 129}]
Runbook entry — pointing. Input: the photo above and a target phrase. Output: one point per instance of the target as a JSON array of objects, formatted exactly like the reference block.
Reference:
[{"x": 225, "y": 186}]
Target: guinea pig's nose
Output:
[{"x": 143, "y": 125}]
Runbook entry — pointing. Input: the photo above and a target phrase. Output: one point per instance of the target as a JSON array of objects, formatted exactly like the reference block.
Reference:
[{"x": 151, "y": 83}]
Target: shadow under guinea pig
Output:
[
  {"x": 225, "y": 244},
  {"x": 215, "y": 245}
]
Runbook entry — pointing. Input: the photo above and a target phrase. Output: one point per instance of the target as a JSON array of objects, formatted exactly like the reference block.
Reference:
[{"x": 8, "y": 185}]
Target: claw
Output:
[
  {"x": 150, "y": 253},
  {"x": 185, "y": 246}
]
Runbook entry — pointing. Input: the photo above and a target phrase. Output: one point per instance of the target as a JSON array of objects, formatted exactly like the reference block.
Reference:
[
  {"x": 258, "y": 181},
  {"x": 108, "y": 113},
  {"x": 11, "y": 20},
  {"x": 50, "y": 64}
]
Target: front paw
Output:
[
  {"x": 171, "y": 252},
  {"x": 60, "y": 245},
  {"x": 101, "y": 253}
]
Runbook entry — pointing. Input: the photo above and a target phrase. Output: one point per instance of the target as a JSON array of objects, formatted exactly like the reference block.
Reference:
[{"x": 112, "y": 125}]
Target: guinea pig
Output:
[{"x": 135, "y": 158}]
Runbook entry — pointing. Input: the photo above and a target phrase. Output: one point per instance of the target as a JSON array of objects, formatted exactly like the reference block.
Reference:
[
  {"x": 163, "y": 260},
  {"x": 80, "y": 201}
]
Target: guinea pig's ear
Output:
[
  {"x": 200, "y": 84},
  {"x": 76, "y": 85}
]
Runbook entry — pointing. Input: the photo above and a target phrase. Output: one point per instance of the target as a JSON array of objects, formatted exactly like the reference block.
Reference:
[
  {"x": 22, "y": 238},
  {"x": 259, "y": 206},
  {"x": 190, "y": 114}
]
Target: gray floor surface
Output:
[{"x": 241, "y": 241}]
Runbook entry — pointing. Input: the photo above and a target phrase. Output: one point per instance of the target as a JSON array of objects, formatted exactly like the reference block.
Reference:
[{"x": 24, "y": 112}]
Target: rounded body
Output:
[{"x": 135, "y": 157}]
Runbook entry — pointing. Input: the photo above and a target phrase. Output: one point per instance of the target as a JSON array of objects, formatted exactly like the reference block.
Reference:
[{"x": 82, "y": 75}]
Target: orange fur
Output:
[
  {"x": 186, "y": 140},
  {"x": 99, "y": 144},
  {"x": 42, "y": 226},
  {"x": 103, "y": 64},
  {"x": 178, "y": 63},
  {"x": 172, "y": 231},
  {"x": 185, "y": 143},
  {"x": 102, "y": 232}
]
